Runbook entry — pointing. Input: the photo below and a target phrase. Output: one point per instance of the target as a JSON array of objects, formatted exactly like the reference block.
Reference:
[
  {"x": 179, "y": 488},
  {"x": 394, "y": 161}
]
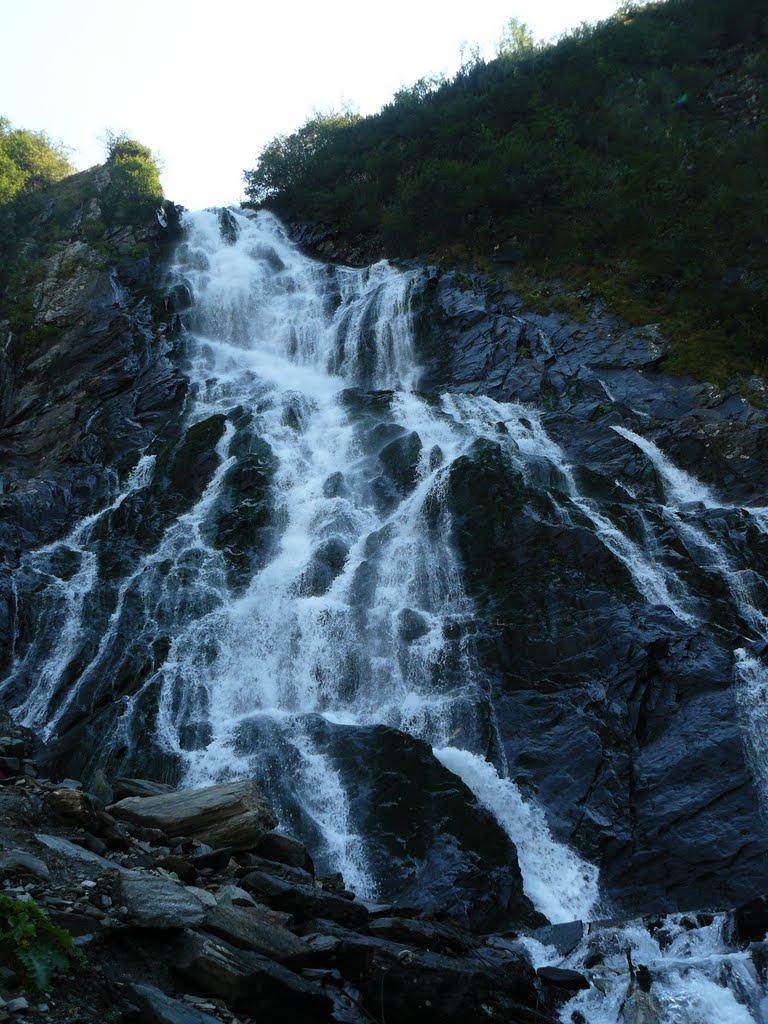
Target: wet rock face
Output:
[
  {"x": 587, "y": 376},
  {"x": 428, "y": 839},
  {"x": 86, "y": 378},
  {"x": 620, "y": 715},
  {"x": 279, "y": 941}
]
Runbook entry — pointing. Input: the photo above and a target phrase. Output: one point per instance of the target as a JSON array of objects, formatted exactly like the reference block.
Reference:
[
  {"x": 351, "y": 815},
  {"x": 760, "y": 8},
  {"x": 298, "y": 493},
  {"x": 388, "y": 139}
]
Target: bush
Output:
[
  {"x": 631, "y": 155},
  {"x": 29, "y": 944},
  {"x": 28, "y": 161},
  {"x": 134, "y": 188}
]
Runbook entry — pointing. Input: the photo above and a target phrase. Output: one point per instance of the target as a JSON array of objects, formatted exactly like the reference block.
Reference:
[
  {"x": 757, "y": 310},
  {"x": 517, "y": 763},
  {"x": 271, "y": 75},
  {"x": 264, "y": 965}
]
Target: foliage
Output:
[
  {"x": 285, "y": 161},
  {"x": 134, "y": 179},
  {"x": 30, "y": 944},
  {"x": 516, "y": 38},
  {"x": 28, "y": 161},
  {"x": 630, "y": 156}
]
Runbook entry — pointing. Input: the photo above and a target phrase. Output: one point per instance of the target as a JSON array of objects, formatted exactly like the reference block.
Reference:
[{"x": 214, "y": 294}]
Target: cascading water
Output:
[
  {"x": 308, "y": 575},
  {"x": 355, "y": 609}
]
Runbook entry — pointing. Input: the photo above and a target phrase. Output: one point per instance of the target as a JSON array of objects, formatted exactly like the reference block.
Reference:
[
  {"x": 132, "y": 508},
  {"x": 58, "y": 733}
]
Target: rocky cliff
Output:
[
  {"x": 86, "y": 381},
  {"x": 604, "y": 655}
]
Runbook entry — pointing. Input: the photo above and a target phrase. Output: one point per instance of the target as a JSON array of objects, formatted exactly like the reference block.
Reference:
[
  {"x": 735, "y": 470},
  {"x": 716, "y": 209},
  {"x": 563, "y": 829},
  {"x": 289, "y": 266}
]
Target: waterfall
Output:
[
  {"x": 356, "y": 610},
  {"x": 302, "y": 571}
]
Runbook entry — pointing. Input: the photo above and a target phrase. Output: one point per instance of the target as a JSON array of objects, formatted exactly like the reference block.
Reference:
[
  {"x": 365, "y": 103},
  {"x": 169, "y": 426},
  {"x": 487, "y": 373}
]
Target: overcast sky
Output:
[{"x": 206, "y": 85}]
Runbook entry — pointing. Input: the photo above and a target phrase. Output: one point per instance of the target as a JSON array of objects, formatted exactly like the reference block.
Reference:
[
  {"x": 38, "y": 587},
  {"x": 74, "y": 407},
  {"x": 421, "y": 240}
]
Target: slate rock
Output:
[
  {"x": 250, "y": 928},
  {"x": 429, "y": 934},
  {"x": 122, "y": 788},
  {"x": 19, "y": 862},
  {"x": 157, "y": 902},
  {"x": 74, "y": 852},
  {"x": 155, "y": 1007},
  {"x": 234, "y": 814},
  {"x": 561, "y": 977},
  {"x": 304, "y": 902},
  {"x": 246, "y": 980},
  {"x": 277, "y": 846},
  {"x": 409, "y": 986}
]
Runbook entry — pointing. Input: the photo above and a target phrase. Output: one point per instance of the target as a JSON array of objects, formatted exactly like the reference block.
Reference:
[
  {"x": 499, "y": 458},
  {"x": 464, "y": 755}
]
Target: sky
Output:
[{"x": 205, "y": 86}]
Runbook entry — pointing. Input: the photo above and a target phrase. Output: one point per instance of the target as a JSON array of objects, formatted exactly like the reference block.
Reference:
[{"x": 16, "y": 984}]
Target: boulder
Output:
[
  {"x": 410, "y": 986},
  {"x": 20, "y": 863},
  {"x": 234, "y": 814},
  {"x": 72, "y": 851},
  {"x": 304, "y": 902},
  {"x": 251, "y": 928},
  {"x": 157, "y": 902},
  {"x": 155, "y": 1007},
  {"x": 561, "y": 977},
  {"x": 429, "y": 842},
  {"x": 284, "y": 849},
  {"x": 246, "y": 980}
]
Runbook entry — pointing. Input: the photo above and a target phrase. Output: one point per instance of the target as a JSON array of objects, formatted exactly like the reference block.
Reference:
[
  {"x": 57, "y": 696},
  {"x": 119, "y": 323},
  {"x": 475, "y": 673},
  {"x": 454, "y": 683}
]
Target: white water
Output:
[
  {"x": 323, "y": 360},
  {"x": 560, "y": 883},
  {"x": 698, "y": 978},
  {"x": 284, "y": 338},
  {"x": 750, "y": 672}
]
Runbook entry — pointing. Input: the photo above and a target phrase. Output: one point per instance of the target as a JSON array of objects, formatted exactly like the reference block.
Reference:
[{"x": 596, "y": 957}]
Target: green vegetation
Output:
[
  {"x": 134, "y": 179},
  {"x": 107, "y": 210},
  {"x": 28, "y": 161},
  {"x": 30, "y": 944},
  {"x": 629, "y": 159}
]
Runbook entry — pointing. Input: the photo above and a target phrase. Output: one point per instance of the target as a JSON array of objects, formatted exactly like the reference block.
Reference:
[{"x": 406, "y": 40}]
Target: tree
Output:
[
  {"x": 28, "y": 161},
  {"x": 283, "y": 163},
  {"x": 516, "y": 39},
  {"x": 134, "y": 185}
]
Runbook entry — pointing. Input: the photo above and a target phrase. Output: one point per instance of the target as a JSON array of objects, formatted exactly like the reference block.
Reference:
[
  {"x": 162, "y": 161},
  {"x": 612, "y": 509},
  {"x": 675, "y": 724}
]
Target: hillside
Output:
[{"x": 629, "y": 159}]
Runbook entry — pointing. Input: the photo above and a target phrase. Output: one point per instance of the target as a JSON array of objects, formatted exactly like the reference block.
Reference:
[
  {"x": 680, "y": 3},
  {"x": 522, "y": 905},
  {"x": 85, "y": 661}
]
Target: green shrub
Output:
[
  {"x": 28, "y": 161},
  {"x": 134, "y": 188},
  {"x": 632, "y": 155},
  {"x": 30, "y": 944}
]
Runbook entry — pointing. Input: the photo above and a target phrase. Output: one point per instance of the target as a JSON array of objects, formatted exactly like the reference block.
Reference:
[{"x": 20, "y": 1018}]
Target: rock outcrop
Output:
[{"x": 175, "y": 931}]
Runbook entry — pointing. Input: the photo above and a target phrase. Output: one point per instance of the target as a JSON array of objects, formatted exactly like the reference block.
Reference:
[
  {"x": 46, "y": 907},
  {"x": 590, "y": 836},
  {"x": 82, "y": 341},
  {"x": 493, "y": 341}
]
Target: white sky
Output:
[{"x": 206, "y": 85}]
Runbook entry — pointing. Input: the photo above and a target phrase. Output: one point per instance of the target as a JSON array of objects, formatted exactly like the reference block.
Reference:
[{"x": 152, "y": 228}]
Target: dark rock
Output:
[
  {"x": 101, "y": 789},
  {"x": 325, "y": 565},
  {"x": 411, "y": 625},
  {"x": 429, "y": 934},
  {"x": 73, "y": 852},
  {"x": 155, "y": 1007},
  {"x": 564, "y": 937},
  {"x": 304, "y": 902},
  {"x": 758, "y": 952},
  {"x": 416, "y": 985},
  {"x": 251, "y": 928},
  {"x": 156, "y": 902},
  {"x": 750, "y": 920},
  {"x": 19, "y": 862},
  {"x": 123, "y": 788},
  {"x": 560, "y": 977},
  {"x": 180, "y": 866},
  {"x": 284, "y": 849},
  {"x": 246, "y": 979},
  {"x": 400, "y": 459},
  {"x": 234, "y": 814},
  {"x": 427, "y": 838}
]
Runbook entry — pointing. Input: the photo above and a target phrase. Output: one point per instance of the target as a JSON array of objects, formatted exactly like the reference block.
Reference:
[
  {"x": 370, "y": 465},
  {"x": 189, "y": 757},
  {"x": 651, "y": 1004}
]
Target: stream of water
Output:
[{"x": 356, "y": 610}]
